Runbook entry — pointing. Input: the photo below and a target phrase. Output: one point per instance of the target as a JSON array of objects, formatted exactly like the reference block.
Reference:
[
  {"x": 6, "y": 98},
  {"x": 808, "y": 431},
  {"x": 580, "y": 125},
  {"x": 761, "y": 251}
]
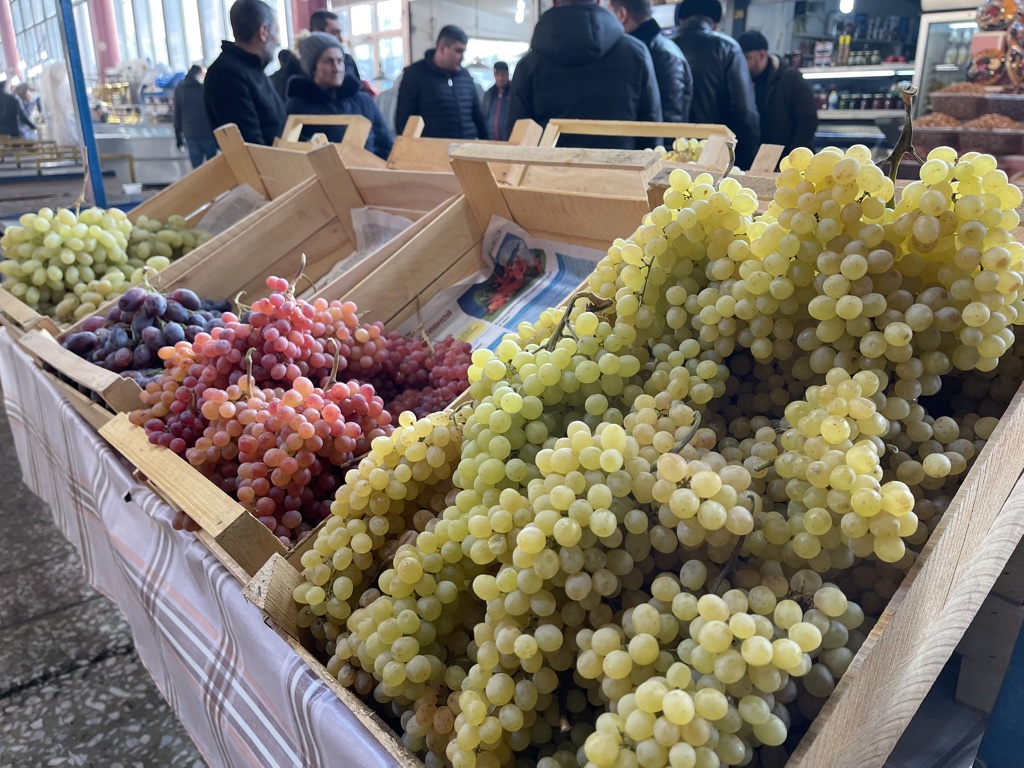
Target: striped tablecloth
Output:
[{"x": 243, "y": 695}]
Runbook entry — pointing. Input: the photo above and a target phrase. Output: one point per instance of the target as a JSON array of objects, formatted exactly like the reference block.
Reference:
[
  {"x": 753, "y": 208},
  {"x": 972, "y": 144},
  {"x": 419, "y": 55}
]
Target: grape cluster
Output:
[
  {"x": 127, "y": 339},
  {"x": 421, "y": 377},
  {"x": 686, "y": 150},
  {"x": 66, "y": 263},
  {"x": 679, "y": 502}
]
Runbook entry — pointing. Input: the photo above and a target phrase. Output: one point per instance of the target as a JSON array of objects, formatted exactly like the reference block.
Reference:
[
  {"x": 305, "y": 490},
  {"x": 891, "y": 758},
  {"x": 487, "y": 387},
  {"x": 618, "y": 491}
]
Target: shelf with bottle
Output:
[
  {"x": 859, "y": 114},
  {"x": 855, "y": 41}
]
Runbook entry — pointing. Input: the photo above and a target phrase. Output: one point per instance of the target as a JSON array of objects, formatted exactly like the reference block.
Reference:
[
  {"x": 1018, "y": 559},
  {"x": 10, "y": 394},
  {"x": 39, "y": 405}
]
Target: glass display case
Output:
[{"x": 943, "y": 52}]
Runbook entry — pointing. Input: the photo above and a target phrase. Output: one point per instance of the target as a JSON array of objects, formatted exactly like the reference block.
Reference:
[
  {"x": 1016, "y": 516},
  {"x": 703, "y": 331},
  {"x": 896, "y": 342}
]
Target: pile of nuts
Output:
[
  {"x": 964, "y": 88},
  {"x": 992, "y": 122},
  {"x": 937, "y": 120}
]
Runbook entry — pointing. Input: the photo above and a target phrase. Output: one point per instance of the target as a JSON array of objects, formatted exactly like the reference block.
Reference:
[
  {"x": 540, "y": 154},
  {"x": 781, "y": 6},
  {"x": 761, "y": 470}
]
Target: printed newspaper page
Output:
[
  {"x": 521, "y": 278},
  {"x": 230, "y": 209}
]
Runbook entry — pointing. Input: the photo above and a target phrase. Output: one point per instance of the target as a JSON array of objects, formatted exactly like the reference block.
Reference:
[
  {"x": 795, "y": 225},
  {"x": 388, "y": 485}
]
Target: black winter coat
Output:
[
  {"x": 307, "y": 98},
  {"x": 190, "y": 118},
  {"x": 672, "y": 70},
  {"x": 237, "y": 91},
  {"x": 581, "y": 64},
  {"x": 292, "y": 68},
  {"x": 13, "y": 115},
  {"x": 722, "y": 90},
  {"x": 785, "y": 101},
  {"x": 447, "y": 101}
]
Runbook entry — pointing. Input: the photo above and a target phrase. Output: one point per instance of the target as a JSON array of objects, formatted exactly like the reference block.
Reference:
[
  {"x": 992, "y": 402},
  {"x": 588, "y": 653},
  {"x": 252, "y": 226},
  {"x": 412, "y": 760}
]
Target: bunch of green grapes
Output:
[
  {"x": 66, "y": 264},
  {"x": 686, "y": 150}
]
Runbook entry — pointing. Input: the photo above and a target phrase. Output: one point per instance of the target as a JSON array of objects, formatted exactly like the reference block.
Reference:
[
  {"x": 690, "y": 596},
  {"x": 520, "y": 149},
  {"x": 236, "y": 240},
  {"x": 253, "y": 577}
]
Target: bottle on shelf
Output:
[{"x": 833, "y": 99}]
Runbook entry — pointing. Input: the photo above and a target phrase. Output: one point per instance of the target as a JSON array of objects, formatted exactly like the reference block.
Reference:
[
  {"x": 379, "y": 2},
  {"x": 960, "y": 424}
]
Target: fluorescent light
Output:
[
  {"x": 846, "y": 6},
  {"x": 904, "y": 72},
  {"x": 964, "y": 25},
  {"x": 824, "y": 73}
]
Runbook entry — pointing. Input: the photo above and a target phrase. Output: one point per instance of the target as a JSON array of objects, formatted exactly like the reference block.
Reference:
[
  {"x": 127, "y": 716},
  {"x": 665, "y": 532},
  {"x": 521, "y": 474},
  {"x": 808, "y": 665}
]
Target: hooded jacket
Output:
[
  {"x": 447, "y": 101},
  {"x": 785, "y": 101},
  {"x": 305, "y": 97},
  {"x": 236, "y": 90},
  {"x": 722, "y": 90},
  {"x": 672, "y": 70},
  {"x": 582, "y": 64},
  {"x": 190, "y": 118}
]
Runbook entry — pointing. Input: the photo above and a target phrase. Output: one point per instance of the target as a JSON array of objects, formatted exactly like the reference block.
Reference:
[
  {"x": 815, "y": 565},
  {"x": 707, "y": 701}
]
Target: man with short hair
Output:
[
  {"x": 440, "y": 91},
  {"x": 328, "y": 22},
  {"x": 236, "y": 89},
  {"x": 675, "y": 81},
  {"x": 722, "y": 90},
  {"x": 581, "y": 64},
  {"x": 12, "y": 113},
  {"x": 496, "y": 104},
  {"x": 785, "y": 101}
]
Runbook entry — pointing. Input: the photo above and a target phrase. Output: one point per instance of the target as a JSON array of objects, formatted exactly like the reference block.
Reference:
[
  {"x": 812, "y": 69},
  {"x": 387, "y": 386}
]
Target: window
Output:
[
  {"x": 375, "y": 32},
  {"x": 36, "y": 33}
]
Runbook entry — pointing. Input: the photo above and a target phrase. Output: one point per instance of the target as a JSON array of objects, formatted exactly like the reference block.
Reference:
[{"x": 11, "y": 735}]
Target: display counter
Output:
[{"x": 152, "y": 148}]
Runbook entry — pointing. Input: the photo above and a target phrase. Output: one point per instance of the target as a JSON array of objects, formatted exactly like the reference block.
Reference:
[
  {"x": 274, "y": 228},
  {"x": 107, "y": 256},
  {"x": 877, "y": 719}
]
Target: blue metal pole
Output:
[
  {"x": 1000, "y": 746},
  {"x": 69, "y": 33}
]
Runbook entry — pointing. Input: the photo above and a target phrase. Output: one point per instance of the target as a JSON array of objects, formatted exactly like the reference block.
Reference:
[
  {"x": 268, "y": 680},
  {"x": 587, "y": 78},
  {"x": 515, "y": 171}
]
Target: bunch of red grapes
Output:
[{"x": 255, "y": 404}]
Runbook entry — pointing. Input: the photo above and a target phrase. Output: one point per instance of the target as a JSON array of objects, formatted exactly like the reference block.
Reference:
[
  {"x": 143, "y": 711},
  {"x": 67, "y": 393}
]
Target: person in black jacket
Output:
[
  {"x": 675, "y": 81},
  {"x": 785, "y": 102},
  {"x": 330, "y": 89},
  {"x": 581, "y": 64},
  {"x": 191, "y": 124},
  {"x": 290, "y": 67},
  {"x": 12, "y": 113},
  {"x": 496, "y": 104},
  {"x": 236, "y": 89},
  {"x": 440, "y": 91},
  {"x": 722, "y": 90}
]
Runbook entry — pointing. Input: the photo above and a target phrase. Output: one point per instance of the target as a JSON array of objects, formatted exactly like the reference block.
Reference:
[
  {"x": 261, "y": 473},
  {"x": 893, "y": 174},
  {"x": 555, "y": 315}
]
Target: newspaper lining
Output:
[
  {"x": 230, "y": 209},
  {"x": 521, "y": 278}
]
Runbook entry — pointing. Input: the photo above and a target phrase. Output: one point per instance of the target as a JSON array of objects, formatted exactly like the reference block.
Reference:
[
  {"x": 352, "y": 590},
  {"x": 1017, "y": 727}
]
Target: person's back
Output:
[
  {"x": 722, "y": 90},
  {"x": 12, "y": 113},
  {"x": 672, "y": 71},
  {"x": 236, "y": 89},
  {"x": 440, "y": 91},
  {"x": 581, "y": 64},
  {"x": 191, "y": 123}
]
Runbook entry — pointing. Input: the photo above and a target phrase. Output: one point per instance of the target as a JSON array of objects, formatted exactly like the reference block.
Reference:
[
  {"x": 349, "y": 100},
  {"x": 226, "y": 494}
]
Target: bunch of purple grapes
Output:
[{"x": 128, "y": 338}]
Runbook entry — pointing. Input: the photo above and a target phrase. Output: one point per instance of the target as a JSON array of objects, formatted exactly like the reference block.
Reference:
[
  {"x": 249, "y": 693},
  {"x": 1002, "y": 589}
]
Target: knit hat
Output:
[
  {"x": 752, "y": 41},
  {"x": 313, "y": 47},
  {"x": 712, "y": 9}
]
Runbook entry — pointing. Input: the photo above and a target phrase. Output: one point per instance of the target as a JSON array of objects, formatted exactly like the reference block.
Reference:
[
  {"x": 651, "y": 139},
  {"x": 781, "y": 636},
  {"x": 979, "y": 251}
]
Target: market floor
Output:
[{"x": 73, "y": 691}]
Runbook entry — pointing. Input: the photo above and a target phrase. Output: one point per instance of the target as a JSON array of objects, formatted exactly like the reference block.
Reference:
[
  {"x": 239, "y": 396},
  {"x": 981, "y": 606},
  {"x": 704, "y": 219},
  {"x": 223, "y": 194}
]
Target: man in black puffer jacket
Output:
[
  {"x": 675, "y": 81},
  {"x": 191, "y": 125},
  {"x": 581, "y": 64},
  {"x": 236, "y": 89},
  {"x": 440, "y": 91},
  {"x": 722, "y": 90}
]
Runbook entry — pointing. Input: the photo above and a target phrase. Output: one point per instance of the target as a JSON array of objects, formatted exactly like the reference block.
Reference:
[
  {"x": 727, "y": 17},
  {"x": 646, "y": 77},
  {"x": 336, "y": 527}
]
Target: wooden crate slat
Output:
[
  {"x": 241, "y": 535},
  {"x": 235, "y": 151},
  {"x": 628, "y": 128},
  {"x": 470, "y": 263},
  {"x": 281, "y": 170},
  {"x": 23, "y": 316},
  {"x": 602, "y": 218},
  {"x": 191, "y": 194},
  {"x": 402, "y": 189},
  {"x": 119, "y": 393}
]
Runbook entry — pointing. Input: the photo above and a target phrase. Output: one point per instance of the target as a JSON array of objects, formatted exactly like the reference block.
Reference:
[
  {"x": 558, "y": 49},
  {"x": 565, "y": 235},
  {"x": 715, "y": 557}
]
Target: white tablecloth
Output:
[{"x": 242, "y": 694}]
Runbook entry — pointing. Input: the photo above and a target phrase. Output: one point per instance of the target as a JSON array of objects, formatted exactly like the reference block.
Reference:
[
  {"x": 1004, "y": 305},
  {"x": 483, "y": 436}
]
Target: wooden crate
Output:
[{"x": 578, "y": 193}]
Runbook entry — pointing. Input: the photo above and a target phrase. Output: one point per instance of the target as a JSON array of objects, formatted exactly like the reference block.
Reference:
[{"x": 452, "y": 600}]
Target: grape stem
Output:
[
  {"x": 904, "y": 144},
  {"x": 596, "y": 303},
  {"x": 337, "y": 362},
  {"x": 422, "y": 330},
  {"x": 729, "y": 566},
  {"x": 298, "y": 276},
  {"x": 239, "y": 306},
  {"x": 248, "y": 370}
]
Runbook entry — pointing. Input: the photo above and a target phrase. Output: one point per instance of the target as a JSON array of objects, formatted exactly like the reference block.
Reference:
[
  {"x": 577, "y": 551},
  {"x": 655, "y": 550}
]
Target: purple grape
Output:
[
  {"x": 154, "y": 305},
  {"x": 122, "y": 358},
  {"x": 173, "y": 333},
  {"x": 132, "y": 299},
  {"x": 94, "y": 323},
  {"x": 152, "y": 338},
  {"x": 119, "y": 337},
  {"x": 191, "y": 331},
  {"x": 81, "y": 343},
  {"x": 186, "y": 298},
  {"x": 143, "y": 356},
  {"x": 175, "y": 313},
  {"x": 141, "y": 320},
  {"x": 117, "y": 316}
]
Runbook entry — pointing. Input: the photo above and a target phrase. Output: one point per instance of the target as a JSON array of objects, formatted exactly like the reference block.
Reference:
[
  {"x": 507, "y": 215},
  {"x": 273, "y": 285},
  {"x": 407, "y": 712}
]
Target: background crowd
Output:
[{"x": 585, "y": 61}]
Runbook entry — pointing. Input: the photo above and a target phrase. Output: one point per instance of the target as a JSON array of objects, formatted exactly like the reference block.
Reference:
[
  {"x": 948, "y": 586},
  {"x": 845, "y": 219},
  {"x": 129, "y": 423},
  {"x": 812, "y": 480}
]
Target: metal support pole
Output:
[
  {"x": 69, "y": 36},
  {"x": 1000, "y": 746}
]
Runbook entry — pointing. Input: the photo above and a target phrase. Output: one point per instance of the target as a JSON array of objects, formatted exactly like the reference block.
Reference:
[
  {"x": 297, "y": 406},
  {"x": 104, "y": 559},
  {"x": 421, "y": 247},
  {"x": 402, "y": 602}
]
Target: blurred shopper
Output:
[
  {"x": 722, "y": 90},
  {"x": 236, "y": 89},
  {"x": 330, "y": 89},
  {"x": 387, "y": 102},
  {"x": 496, "y": 104},
  {"x": 675, "y": 81},
  {"x": 581, "y": 64},
  {"x": 330, "y": 24},
  {"x": 13, "y": 117},
  {"x": 28, "y": 100},
  {"x": 785, "y": 101},
  {"x": 289, "y": 67},
  {"x": 440, "y": 91},
  {"x": 191, "y": 123}
]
